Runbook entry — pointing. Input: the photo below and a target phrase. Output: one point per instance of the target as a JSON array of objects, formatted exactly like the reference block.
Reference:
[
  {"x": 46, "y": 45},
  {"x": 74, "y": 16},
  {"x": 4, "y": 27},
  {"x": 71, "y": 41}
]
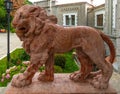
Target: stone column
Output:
[
  {"x": 108, "y": 16},
  {"x": 108, "y": 28},
  {"x": 118, "y": 18},
  {"x": 118, "y": 34}
]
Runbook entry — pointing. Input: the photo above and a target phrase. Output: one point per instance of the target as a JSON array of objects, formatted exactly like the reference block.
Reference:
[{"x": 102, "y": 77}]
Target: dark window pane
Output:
[
  {"x": 73, "y": 19},
  {"x": 100, "y": 20},
  {"x": 67, "y": 19}
]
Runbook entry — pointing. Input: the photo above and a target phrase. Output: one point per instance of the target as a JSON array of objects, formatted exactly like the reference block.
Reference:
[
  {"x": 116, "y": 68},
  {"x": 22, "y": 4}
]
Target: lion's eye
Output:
[{"x": 22, "y": 17}]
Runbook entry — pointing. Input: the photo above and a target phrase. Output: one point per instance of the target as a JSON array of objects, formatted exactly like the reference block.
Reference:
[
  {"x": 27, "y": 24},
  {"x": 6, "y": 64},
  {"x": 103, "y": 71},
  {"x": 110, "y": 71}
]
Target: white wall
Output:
[{"x": 114, "y": 13}]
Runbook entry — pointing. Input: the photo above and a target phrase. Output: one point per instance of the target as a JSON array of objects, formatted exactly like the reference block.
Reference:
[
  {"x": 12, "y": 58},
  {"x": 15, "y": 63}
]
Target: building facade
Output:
[
  {"x": 112, "y": 26},
  {"x": 74, "y": 14}
]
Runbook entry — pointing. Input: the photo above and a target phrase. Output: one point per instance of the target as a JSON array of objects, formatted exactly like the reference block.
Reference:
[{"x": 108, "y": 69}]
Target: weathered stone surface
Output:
[
  {"x": 61, "y": 85},
  {"x": 42, "y": 38}
]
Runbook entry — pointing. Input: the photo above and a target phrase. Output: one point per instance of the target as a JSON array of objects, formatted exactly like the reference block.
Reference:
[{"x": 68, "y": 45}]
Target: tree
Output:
[
  {"x": 2, "y": 15},
  {"x": 3, "y": 18},
  {"x": 28, "y": 2}
]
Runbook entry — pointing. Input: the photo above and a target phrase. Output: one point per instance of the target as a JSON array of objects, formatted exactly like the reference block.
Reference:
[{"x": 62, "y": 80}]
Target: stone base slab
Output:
[{"x": 61, "y": 85}]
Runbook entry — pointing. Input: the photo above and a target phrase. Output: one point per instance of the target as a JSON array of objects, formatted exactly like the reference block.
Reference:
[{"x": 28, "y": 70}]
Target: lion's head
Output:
[
  {"x": 23, "y": 18},
  {"x": 30, "y": 19}
]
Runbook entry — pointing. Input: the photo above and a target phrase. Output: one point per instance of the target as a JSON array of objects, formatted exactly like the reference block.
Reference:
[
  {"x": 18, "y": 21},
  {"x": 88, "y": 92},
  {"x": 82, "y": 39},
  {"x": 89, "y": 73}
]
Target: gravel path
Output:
[{"x": 14, "y": 43}]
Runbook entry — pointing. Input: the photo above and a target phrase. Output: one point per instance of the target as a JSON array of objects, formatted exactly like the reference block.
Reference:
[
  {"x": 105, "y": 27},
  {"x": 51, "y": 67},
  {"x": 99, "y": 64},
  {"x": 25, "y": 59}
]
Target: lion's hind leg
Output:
[
  {"x": 101, "y": 78},
  {"x": 86, "y": 67}
]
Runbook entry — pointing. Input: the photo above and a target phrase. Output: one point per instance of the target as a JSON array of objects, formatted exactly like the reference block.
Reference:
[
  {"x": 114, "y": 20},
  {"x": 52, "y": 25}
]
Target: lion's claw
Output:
[
  {"x": 20, "y": 81},
  {"x": 99, "y": 82},
  {"x": 76, "y": 76}
]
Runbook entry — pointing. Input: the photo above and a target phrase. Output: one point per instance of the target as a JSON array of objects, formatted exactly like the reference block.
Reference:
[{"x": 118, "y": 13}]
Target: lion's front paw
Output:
[
  {"x": 20, "y": 81},
  {"x": 76, "y": 76},
  {"x": 44, "y": 77},
  {"x": 99, "y": 82}
]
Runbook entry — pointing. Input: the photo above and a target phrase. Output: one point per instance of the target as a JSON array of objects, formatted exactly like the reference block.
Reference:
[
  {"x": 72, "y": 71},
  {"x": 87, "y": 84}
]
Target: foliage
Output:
[
  {"x": 28, "y": 2},
  {"x": 3, "y": 16},
  {"x": 3, "y": 19},
  {"x": 16, "y": 58},
  {"x": 3, "y": 65},
  {"x": 58, "y": 69},
  {"x": 16, "y": 70},
  {"x": 60, "y": 60},
  {"x": 70, "y": 65},
  {"x": 24, "y": 56}
]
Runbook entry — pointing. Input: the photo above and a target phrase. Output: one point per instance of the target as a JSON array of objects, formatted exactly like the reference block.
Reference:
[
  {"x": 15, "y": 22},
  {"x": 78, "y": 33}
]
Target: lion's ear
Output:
[{"x": 35, "y": 11}]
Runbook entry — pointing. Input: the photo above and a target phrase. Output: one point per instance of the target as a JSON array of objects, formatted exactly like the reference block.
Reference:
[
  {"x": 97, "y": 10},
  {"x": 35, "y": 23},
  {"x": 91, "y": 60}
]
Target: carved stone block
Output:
[{"x": 61, "y": 85}]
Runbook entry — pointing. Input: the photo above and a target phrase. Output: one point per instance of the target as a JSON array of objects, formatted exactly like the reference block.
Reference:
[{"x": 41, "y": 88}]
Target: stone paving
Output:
[
  {"x": 16, "y": 43},
  {"x": 115, "y": 81},
  {"x": 2, "y": 90}
]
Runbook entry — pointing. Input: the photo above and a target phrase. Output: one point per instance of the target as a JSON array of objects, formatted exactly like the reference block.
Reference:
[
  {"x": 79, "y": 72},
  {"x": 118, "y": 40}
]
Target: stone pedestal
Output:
[{"x": 61, "y": 85}]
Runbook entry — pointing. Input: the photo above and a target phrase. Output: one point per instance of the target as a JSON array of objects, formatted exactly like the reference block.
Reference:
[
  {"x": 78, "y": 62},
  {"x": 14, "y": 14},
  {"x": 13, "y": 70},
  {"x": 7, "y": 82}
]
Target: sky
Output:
[{"x": 96, "y": 2}]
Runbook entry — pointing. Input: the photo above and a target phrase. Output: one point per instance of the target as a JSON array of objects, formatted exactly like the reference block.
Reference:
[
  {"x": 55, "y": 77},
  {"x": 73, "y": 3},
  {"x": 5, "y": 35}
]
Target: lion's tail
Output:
[{"x": 111, "y": 47}]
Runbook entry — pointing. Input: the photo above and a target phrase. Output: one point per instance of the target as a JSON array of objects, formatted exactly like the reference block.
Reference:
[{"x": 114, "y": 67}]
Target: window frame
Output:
[
  {"x": 70, "y": 15},
  {"x": 99, "y": 20},
  {"x": 101, "y": 12}
]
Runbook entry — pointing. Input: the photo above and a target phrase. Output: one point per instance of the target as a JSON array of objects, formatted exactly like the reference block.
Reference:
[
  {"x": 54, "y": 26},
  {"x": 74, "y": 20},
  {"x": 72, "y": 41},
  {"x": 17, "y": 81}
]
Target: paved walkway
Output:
[{"x": 14, "y": 43}]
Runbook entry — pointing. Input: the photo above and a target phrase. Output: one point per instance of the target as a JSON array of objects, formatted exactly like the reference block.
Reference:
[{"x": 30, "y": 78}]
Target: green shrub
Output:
[
  {"x": 70, "y": 65},
  {"x": 58, "y": 69},
  {"x": 42, "y": 68},
  {"x": 15, "y": 61},
  {"x": 60, "y": 60},
  {"x": 24, "y": 56},
  {"x": 18, "y": 56}
]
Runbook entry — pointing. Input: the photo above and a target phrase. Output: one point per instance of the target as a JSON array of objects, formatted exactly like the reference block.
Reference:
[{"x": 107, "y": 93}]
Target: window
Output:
[
  {"x": 100, "y": 20},
  {"x": 70, "y": 19}
]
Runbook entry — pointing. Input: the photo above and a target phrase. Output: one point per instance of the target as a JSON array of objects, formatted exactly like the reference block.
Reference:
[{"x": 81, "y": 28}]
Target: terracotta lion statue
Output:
[{"x": 42, "y": 38}]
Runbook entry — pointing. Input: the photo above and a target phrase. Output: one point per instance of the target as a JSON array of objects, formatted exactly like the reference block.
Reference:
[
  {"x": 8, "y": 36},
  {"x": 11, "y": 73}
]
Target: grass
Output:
[
  {"x": 3, "y": 66},
  {"x": 14, "y": 60}
]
